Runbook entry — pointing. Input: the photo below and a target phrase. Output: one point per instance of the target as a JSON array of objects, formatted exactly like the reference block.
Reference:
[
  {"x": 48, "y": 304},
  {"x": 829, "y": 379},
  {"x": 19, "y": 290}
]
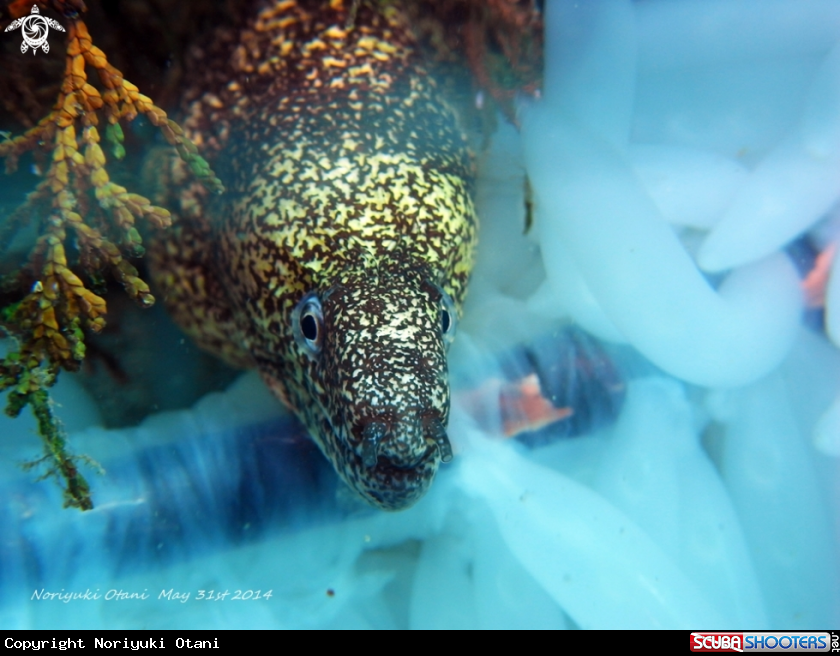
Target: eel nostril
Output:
[
  {"x": 435, "y": 430},
  {"x": 371, "y": 439}
]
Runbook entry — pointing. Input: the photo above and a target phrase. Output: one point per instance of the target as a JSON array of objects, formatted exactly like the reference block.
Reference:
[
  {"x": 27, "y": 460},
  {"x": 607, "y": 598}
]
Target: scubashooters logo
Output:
[
  {"x": 799, "y": 641},
  {"x": 34, "y": 29}
]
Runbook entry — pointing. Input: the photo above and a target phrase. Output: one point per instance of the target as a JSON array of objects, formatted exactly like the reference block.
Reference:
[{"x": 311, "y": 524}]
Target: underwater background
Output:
[{"x": 683, "y": 166}]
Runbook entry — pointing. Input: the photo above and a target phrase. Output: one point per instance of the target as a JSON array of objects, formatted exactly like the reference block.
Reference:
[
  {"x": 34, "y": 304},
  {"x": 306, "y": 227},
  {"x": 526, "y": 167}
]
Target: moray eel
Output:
[{"x": 337, "y": 260}]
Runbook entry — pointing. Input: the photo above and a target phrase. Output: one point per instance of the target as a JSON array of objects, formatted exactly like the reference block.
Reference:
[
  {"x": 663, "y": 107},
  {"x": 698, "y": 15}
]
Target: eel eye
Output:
[
  {"x": 448, "y": 317},
  {"x": 445, "y": 320},
  {"x": 308, "y": 324}
]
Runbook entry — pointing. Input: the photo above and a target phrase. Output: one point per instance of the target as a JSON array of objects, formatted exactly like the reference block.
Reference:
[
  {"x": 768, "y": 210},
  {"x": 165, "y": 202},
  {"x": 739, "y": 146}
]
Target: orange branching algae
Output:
[{"x": 76, "y": 197}]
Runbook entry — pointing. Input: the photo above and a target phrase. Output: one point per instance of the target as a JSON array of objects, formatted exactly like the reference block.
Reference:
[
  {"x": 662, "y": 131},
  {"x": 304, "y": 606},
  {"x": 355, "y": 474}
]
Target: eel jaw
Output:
[
  {"x": 391, "y": 461},
  {"x": 376, "y": 432}
]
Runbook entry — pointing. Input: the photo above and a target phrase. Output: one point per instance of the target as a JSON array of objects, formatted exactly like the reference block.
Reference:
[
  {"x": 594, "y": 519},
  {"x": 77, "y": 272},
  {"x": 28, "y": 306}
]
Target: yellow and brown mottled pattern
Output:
[{"x": 344, "y": 241}]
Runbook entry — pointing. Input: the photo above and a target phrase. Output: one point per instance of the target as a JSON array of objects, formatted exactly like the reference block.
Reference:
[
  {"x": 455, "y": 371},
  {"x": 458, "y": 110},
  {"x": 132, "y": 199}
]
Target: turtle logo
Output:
[{"x": 35, "y": 29}]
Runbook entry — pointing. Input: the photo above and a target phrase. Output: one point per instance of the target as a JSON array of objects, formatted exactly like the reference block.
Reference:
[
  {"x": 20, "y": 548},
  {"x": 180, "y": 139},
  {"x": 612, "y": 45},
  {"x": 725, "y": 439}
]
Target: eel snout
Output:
[{"x": 406, "y": 443}]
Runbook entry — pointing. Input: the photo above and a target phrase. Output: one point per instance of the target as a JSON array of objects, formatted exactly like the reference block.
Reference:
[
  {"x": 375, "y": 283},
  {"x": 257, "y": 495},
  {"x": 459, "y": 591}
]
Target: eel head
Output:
[{"x": 376, "y": 398}]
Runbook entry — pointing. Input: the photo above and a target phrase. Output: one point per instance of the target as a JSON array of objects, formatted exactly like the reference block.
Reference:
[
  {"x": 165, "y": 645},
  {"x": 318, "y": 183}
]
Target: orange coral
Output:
[{"x": 503, "y": 43}]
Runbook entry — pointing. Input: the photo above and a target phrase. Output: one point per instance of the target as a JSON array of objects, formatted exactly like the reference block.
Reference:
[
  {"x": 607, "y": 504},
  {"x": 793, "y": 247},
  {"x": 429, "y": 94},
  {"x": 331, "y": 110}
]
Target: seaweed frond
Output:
[
  {"x": 77, "y": 198},
  {"x": 60, "y": 465}
]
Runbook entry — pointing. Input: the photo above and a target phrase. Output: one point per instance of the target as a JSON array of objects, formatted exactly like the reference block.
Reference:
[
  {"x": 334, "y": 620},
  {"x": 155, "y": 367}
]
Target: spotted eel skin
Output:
[{"x": 337, "y": 260}]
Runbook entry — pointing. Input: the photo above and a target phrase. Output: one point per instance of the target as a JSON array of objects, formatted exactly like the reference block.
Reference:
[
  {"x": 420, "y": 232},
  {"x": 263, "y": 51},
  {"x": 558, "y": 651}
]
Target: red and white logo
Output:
[{"x": 717, "y": 642}]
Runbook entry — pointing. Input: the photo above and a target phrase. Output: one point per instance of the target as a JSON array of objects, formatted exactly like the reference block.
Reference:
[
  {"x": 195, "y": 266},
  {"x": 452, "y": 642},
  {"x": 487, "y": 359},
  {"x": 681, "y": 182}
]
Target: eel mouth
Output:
[
  {"x": 406, "y": 445},
  {"x": 392, "y": 461}
]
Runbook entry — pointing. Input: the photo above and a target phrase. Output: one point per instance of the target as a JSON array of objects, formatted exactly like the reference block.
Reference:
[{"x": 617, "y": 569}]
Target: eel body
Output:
[{"x": 337, "y": 260}]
